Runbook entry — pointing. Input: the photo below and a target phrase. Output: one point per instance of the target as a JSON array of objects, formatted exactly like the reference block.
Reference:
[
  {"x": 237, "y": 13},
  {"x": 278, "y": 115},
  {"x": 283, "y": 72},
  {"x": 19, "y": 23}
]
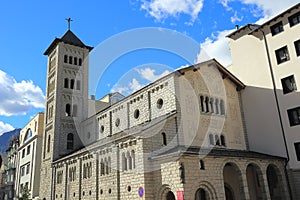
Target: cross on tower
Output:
[{"x": 69, "y": 22}]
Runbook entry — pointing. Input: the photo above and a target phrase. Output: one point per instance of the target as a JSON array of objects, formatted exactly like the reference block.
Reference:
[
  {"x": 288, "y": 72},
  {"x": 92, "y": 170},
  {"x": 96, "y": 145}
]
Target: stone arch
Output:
[
  {"x": 207, "y": 187},
  {"x": 233, "y": 181},
  {"x": 275, "y": 182},
  {"x": 164, "y": 193},
  {"x": 255, "y": 182}
]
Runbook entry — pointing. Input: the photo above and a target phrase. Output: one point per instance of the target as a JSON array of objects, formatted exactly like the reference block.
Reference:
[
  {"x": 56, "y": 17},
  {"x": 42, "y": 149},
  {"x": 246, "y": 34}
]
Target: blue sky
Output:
[{"x": 28, "y": 27}]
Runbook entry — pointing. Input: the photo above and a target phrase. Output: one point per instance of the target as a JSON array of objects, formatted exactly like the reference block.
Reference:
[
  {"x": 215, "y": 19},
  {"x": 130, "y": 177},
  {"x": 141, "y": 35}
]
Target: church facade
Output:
[{"x": 181, "y": 137}]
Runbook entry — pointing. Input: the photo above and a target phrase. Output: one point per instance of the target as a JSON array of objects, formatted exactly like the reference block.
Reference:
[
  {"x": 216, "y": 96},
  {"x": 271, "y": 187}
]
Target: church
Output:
[{"x": 180, "y": 137}]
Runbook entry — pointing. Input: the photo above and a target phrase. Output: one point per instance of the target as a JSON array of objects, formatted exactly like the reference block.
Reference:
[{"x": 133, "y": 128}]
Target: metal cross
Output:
[{"x": 69, "y": 22}]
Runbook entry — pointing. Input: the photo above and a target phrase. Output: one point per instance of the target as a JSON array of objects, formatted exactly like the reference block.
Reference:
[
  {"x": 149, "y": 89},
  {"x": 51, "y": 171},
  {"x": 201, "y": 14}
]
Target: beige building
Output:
[
  {"x": 266, "y": 58},
  {"x": 182, "y": 136},
  {"x": 30, "y": 151}
]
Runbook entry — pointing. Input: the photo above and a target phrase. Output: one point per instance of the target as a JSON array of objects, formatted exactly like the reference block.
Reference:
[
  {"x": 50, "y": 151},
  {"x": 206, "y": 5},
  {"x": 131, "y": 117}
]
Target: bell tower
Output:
[{"x": 66, "y": 102}]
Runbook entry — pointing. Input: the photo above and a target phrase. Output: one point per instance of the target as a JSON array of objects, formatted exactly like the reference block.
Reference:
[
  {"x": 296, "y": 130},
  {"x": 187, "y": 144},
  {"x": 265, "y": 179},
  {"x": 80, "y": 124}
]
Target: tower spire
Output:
[{"x": 69, "y": 22}]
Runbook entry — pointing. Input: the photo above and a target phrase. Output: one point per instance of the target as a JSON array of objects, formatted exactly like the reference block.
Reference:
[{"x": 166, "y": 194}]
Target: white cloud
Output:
[
  {"x": 18, "y": 97},
  {"x": 236, "y": 18},
  {"x": 144, "y": 76},
  {"x": 272, "y": 7},
  {"x": 162, "y": 9},
  {"x": 216, "y": 47},
  {"x": 149, "y": 74},
  {"x": 225, "y": 4},
  {"x": 5, "y": 128}
]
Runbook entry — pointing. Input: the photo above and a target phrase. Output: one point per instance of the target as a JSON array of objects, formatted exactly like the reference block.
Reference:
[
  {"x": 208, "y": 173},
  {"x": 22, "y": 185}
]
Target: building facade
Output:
[
  {"x": 268, "y": 65},
  {"x": 29, "y": 157},
  {"x": 181, "y": 137},
  {"x": 9, "y": 172}
]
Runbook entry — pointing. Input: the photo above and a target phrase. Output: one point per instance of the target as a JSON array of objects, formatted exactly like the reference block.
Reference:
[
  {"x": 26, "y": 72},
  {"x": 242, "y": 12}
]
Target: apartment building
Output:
[
  {"x": 266, "y": 59},
  {"x": 29, "y": 154}
]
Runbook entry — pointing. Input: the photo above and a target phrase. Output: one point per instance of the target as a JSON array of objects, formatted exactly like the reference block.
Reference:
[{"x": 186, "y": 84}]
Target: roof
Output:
[
  {"x": 251, "y": 27},
  {"x": 255, "y": 27},
  {"x": 220, "y": 152},
  {"x": 69, "y": 38}
]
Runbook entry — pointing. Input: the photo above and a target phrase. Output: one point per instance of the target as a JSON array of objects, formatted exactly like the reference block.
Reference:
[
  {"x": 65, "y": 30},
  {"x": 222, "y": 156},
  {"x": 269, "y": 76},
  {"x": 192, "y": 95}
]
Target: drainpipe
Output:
[{"x": 278, "y": 110}]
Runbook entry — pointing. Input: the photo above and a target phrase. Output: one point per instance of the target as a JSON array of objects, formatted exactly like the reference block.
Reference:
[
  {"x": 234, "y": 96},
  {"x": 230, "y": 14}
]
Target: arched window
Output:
[
  {"x": 133, "y": 159},
  {"x": 201, "y": 194},
  {"x": 74, "y": 110},
  {"x": 124, "y": 162},
  {"x": 66, "y": 83},
  {"x": 164, "y": 138},
  {"x": 211, "y": 102},
  {"x": 102, "y": 167},
  {"x": 70, "y": 141},
  {"x": 80, "y": 62},
  {"x": 217, "y": 106},
  {"x": 109, "y": 165},
  {"x": 202, "y": 104},
  {"x": 48, "y": 145},
  {"x": 70, "y": 60},
  {"x": 106, "y": 166},
  {"x": 217, "y": 140},
  {"x": 211, "y": 139},
  {"x": 222, "y": 107},
  {"x": 207, "y": 104},
  {"x": 72, "y": 84},
  {"x": 65, "y": 58},
  {"x": 201, "y": 163},
  {"x": 75, "y": 60},
  {"x": 68, "y": 110},
  {"x": 28, "y": 135},
  {"x": 222, "y": 138},
  {"x": 129, "y": 160}
]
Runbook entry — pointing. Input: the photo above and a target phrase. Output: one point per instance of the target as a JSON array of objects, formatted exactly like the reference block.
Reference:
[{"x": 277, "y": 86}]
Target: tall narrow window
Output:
[
  {"x": 201, "y": 163},
  {"x": 102, "y": 167},
  {"x": 66, "y": 83},
  {"x": 70, "y": 60},
  {"x": 207, "y": 104},
  {"x": 66, "y": 59},
  {"x": 78, "y": 85},
  {"x": 297, "y": 47},
  {"x": 48, "y": 146},
  {"x": 106, "y": 166},
  {"x": 124, "y": 162},
  {"x": 282, "y": 55},
  {"x": 211, "y": 102},
  {"x": 80, "y": 62},
  {"x": 72, "y": 84},
  {"x": 164, "y": 138},
  {"x": 211, "y": 139},
  {"x": 109, "y": 165},
  {"x": 217, "y": 106},
  {"x": 74, "y": 110},
  {"x": 222, "y": 107},
  {"x": 223, "y": 142},
  {"x": 202, "y": 104},
  {"x": 297, "y": 149},
  {"x": 68, "y": 110},
  {"x": 133, "y": 158},
  {"x": 129, "y": 161},
  {"x": 70, "y": 141},
  {"x": 217, "y": 139},
  {"x": 75, "y": 60}
]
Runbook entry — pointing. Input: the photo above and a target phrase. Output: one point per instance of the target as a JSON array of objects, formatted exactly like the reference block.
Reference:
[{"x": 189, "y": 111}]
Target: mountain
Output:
[{"x": 5, "y": 139}]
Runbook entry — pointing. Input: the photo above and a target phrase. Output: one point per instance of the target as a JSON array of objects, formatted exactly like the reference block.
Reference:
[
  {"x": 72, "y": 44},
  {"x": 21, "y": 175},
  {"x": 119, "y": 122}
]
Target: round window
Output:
[
  {"x": 136, "y": 113},
  {"x": 117, "y": 123},
  {"x": 159, "y": 103}
]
